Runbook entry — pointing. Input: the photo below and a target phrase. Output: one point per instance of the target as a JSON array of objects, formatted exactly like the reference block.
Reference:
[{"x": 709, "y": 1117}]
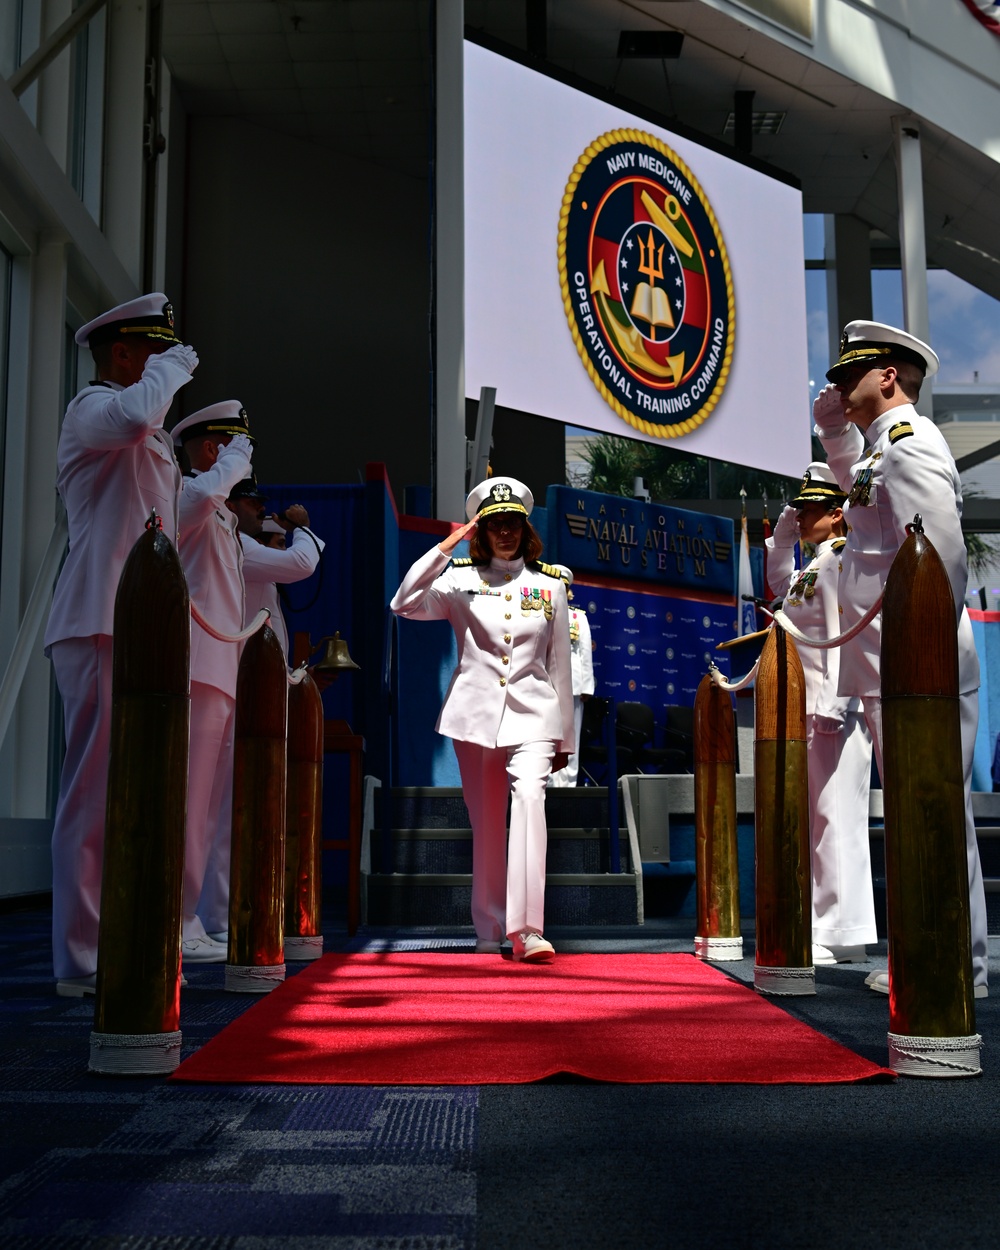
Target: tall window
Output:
[
  {"x": 86, "y": 131},
  {"x": 10, "y": 36}
]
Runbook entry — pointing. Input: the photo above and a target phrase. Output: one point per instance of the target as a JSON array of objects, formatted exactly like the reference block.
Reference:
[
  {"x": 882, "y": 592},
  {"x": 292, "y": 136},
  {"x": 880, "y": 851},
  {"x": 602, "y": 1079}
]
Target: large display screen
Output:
[{"x": 626, "y": 279}]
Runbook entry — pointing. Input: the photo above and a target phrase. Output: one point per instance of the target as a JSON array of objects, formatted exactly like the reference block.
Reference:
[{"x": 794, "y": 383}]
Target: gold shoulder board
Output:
[
  {"x": 839, "y": 544},
  {"x": 463, "y": 563},
  {"x": 548, "y": 569},
  {"x": 902, "y": 429}
]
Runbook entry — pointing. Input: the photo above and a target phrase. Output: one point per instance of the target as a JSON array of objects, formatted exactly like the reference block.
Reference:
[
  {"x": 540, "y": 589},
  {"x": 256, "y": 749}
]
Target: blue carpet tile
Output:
[{"x": 135, "y": 1162}]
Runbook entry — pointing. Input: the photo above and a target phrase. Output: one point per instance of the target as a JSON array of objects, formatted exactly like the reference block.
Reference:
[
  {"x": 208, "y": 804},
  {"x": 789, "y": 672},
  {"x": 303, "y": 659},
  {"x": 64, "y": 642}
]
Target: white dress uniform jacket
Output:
[
  {"x": 900, "y": 475},
  {"x": 810, "y": 599},
  {"x": 212, "y": 558},
  {"x": 582, "y": 663},
  {"x": 843, "y": 901},
  {"x": 265, "y": 566},
  {"x": 908, "y": 469},
  {"x": 114, "y": 465},
  {"x": 581, "y": 653},
  {"x": 513, "y": 681}
]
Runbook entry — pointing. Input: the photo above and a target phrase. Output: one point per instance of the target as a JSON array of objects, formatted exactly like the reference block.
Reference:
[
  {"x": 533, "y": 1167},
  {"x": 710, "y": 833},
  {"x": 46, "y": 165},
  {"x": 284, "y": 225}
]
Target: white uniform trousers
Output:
[
  {"x": 213, "y": 906},
  {"x": 567, "y": 776},
  {"x": 969, "y": 712},
  {"x": 843, "y": 900},
  {"x": 213, "y": 716},
  {"x": 83, "y": 673},
  {"x": 508, "y": 871}
]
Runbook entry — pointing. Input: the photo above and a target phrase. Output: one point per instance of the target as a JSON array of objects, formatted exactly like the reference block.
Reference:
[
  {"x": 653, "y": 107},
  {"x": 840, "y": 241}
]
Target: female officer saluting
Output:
[{"x": 509, "y": 706}]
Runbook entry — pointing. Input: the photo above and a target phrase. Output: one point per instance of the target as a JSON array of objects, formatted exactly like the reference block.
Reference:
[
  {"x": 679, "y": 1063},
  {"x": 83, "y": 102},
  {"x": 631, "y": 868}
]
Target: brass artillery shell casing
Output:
[
  {"x": 303, "y": 833},
  {"x": 138, "y": 964},
  {"x": 781, "y": 810},
  {"x": 717, "y": 880},
  {"x": 257, "y": 862},
  {"x": 927, "y": 881}
]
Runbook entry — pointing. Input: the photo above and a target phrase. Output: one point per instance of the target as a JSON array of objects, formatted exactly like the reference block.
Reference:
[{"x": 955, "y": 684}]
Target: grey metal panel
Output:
[{"x": 25, "y": 856}]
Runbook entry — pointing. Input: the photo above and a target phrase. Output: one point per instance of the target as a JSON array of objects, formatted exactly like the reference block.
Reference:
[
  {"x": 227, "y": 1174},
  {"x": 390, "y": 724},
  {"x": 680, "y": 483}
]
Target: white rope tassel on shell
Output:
[
  {"x": 261, "y": 618},
  {"x": 780, "y": 618},
  {"x": 824, "y": 643},
  {"x": 721, "y": 682}
]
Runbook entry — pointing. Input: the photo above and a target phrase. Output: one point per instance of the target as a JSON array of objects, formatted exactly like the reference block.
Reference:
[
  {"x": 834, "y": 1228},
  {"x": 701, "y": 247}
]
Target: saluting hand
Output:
[{"x": 447, "y": 545}]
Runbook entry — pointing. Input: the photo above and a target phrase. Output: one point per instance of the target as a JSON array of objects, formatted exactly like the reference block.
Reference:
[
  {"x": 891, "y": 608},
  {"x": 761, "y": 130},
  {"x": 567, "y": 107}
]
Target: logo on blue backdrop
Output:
[{"x": 646, "y": 283}]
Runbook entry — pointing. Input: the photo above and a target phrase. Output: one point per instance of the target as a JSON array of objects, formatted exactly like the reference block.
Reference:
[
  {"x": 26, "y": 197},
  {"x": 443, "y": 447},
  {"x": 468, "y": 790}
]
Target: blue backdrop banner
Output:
[{"x": 626, "y": 538}]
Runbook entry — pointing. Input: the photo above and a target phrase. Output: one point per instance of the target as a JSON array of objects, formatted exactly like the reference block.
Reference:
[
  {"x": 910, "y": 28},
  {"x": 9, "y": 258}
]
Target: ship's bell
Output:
[{"x": 336, "y": 658}]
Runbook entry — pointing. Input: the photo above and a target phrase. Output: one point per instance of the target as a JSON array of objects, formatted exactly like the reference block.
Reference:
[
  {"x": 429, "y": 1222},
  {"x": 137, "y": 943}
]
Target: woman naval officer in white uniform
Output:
[
  {"x": 509, "y": 705},
  {"x": 839, "y": 745}
]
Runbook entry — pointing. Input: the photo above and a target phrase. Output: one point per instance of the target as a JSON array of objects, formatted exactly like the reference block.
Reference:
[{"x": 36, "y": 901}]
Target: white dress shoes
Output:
[
  {"x": 879, "y": 982},
  {"x": 202, "y": 950},
  {"x": 222, "y": 937},
  {"x": 839, "y": 954},
  {"x": 532, "y": 948},
  {"x": 76, "y": 987}
]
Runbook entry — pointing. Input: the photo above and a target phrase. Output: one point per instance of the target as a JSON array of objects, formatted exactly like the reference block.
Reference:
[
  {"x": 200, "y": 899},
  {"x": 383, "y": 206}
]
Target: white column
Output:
[
  {"x": 912, "y": 238},
  {"x": 44, "y": 408},
  {"x": 125, "y": 111},
  {"x": 449, "y": 365}
]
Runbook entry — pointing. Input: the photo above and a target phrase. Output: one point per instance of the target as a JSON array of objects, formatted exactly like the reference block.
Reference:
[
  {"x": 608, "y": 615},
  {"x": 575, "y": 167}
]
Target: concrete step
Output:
[
  {"x": 450, "y": 851},
  {"x": 428, "y": 877},
  {"x": 580, "y": 899}
]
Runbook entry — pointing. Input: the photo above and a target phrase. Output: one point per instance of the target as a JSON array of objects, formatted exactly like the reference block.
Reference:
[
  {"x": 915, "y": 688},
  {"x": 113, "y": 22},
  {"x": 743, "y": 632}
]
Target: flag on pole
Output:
[
  {"x": 768, "y": 592},
  {"x": 748, "y": 612}
]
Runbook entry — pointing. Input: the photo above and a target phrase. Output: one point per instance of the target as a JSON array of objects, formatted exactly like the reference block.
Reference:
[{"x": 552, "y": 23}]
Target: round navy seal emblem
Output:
[{"x": 646, "y": 283}]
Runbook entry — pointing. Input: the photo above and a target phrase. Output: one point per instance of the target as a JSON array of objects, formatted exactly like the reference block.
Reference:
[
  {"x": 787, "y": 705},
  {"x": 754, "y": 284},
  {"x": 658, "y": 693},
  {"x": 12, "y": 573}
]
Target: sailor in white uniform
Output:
[
  {"x": 265, "y": 568},
  {"x": 216, "y": 440},
  {"x": 115, "y": 464},
  {"x": 262, "y": 568},
  {"x": 837, "y": 739},
  {"x": 509, "y": 707},
  {"x": 581, "y": 655},
  {"x": 895, "y": 463}
]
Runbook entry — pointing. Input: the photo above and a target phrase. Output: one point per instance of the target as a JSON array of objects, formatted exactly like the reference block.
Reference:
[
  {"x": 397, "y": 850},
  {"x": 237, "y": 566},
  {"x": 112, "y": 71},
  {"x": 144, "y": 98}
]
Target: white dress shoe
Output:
[
  {"x": 879, "y": 982},
  {"x": 202, "y": 950},
  {"x": 485, "y": 947},
  {"x": 222, "y": 937},
  {"x": 839, "y": 954},
  {"x": 76, "y": 987},
  {"x": 532, "y": 948}
]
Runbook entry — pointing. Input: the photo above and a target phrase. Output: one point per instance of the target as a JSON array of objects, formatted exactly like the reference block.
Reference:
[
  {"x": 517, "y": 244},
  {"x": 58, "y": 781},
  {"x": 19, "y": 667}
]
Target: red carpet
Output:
[{"x": 448, "y": 1018}]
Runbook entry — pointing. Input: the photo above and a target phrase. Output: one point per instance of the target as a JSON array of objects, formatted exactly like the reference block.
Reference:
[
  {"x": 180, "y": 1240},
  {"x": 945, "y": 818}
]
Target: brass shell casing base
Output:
[
  {"x": 135, "y": 1054},
  {"x": 927, "y": 882},
  {"x": 783, "y": 871},
  {"x": 784, "y": 980},
  {"x": 254, "y": 978},
  {"x": 719, "y": 950},
  {"x": 300, "y": 949},
  {"x": 935, "y": 1056}
]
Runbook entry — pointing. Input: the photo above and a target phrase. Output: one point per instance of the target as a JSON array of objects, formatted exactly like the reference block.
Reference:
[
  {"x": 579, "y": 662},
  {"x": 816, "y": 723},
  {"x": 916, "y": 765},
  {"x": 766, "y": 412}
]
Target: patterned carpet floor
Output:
[{"x": 130, "y": 1163}]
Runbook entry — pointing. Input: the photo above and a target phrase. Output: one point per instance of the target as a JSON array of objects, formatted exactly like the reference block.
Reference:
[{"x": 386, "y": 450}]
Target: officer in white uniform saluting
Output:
[
  {"x": 262, "y": 567},
  {"x": 217, "y": 442},
  {"x": 509, "y": 707},
  {"x": 895, "y": 463},
  {"x": 265, "y": 567},
  {"x": 115, "y": 464},
  {"x": 838, "y": 743}
]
